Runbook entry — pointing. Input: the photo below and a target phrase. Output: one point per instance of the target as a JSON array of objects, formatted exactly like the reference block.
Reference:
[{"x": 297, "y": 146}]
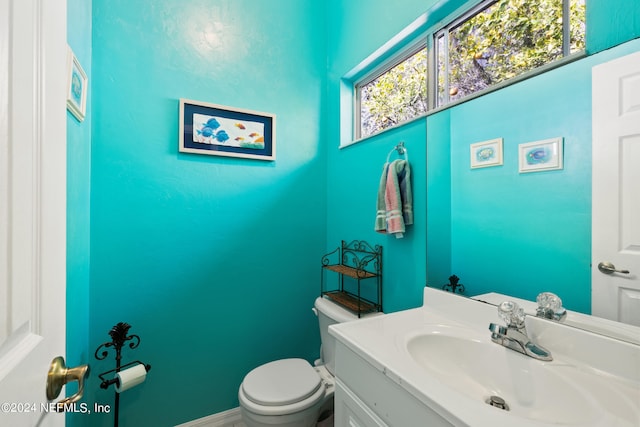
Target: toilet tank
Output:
[{"x": 328, "y": 314}]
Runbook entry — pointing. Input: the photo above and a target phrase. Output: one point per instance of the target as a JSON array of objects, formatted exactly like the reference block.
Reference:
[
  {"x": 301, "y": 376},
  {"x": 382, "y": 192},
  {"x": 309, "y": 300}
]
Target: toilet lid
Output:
[{"x": 281, "y": 382}]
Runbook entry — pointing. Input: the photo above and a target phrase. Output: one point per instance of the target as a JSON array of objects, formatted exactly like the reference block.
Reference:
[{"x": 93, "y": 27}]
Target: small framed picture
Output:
[
  {"x": 540, "y": 155},
  {"x": 217, "y": 130},
  {"x": 487, "y": 153},
  {"x": 77, "y": 87}
]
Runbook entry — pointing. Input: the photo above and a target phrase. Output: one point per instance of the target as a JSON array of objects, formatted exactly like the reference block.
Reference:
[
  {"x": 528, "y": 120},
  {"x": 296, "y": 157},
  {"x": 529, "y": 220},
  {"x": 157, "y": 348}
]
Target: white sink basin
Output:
[
  {"x": 481, "y": 369},
  {"x": 442, "y": 356},
  {"x": 551, "y": 392}
]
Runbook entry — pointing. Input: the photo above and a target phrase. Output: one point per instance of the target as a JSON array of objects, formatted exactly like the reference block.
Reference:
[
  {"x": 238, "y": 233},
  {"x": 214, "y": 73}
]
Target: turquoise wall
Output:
[
  {"x": 78, "y": 200},
  {"x": 353, "y": 37},
  {"x": 352, "y": 210},
  {"x": 213, "y": 261},
  {"x": 439, "y": 228},
  {"x": 525, "y": 233},
  {"x": 522, "y": 234},
  {"x": 611, "y": 22}
]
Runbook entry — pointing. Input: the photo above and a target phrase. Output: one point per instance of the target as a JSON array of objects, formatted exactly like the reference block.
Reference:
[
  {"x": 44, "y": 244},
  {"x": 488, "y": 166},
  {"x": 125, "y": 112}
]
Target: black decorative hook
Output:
[{"x": 453, "y": 285}]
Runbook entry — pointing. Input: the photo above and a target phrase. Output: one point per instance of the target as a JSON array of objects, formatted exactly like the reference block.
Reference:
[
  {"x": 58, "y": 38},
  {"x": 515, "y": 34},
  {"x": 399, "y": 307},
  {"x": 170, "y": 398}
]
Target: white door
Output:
[
  {"x": 616, "y": 190},
  {"x": 32, "y": 205}
]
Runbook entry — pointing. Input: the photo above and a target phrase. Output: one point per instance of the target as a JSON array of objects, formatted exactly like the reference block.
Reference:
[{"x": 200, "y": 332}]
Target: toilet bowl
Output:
[
  {"x": 286, "y": 392},
  {"x": 291, "y": 392}
]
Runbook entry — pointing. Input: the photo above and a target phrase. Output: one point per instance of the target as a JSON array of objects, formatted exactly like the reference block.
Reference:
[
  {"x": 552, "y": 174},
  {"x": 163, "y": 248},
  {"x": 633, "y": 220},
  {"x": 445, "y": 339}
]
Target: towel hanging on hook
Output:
[
  {"x": 394, "y": 207},
  {"x": 401, "y": 149}
]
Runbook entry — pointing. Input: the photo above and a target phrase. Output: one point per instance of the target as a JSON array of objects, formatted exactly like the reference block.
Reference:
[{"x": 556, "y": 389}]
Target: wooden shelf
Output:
[
  {"x": 351, "y": 302},
  {"x": 350, "y": 271}
]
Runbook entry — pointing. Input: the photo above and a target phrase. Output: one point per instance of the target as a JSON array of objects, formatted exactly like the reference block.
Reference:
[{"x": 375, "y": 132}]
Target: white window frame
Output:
[{"x": 384, "y": 67}]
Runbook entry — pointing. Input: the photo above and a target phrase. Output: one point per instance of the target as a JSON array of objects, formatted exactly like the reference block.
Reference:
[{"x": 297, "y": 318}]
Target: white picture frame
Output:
[
  {"x": 486, "y": 153},
  {"x": 539, "y": 156},
  {"x": 77, "y": 87}
]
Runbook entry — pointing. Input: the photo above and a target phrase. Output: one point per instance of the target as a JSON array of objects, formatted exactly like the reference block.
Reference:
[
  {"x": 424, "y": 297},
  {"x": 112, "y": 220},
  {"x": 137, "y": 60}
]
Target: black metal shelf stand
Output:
[{"x": 359, "y": 261}]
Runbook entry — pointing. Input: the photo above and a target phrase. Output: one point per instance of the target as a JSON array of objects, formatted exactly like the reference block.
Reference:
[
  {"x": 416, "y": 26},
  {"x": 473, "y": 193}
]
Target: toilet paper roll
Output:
[{"x": 130, "y": 377}]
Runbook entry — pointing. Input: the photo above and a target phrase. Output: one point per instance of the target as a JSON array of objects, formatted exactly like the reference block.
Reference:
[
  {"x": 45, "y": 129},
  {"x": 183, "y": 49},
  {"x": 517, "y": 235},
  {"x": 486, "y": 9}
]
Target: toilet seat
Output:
[
  {"x": 281, "y": 382},
  {"x": 282, "y": 387}
]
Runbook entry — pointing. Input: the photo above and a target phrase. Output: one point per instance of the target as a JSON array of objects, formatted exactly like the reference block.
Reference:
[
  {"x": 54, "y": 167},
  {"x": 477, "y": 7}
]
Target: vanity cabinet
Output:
[
  {"x": 367, "y": 396},
  {"x": 357, "y": 271},
  {"x": 352, "y": 411}
]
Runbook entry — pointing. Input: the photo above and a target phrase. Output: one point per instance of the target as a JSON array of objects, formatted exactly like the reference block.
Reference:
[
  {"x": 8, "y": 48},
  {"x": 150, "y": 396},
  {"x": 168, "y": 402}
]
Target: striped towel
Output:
[{"x": 395, "y": 199}]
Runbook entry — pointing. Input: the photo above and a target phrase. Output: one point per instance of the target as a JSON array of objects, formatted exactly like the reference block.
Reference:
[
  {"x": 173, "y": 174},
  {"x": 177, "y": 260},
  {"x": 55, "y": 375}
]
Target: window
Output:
[
  {"x": 502, "y": 39},
  {"x": 493, "y": 42},
  {"x": 393, "y": 96}
]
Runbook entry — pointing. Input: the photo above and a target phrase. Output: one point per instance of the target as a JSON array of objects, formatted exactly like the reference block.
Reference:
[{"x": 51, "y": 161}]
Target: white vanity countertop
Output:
[{"x": 382, "y": 342}]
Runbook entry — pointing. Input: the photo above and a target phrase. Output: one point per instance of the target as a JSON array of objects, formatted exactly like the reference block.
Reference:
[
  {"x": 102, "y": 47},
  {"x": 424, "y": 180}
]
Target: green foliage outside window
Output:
[
  {"x": 501, "y": 41},
  {"x": 396, "y": 96},
  {"x": 507, "y": 39}
]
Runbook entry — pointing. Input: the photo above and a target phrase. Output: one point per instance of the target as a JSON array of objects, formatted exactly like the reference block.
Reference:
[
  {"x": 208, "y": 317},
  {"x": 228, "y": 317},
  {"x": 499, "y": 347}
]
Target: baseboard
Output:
[{"x": 230, "y": 418}]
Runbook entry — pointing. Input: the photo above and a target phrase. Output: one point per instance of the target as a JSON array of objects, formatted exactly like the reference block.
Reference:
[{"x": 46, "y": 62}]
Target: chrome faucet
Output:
[
  {"x": 550, "y": 307},
  {"x": 514, "y": 335}
]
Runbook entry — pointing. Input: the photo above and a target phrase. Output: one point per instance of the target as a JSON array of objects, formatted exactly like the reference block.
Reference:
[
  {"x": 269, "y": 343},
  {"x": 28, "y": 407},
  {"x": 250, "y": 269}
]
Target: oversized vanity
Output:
[{"x": 441, "y": 365}]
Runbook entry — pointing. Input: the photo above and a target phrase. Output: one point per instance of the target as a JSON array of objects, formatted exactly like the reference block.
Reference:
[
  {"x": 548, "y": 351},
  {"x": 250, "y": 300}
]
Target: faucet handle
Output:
[
  {"x": 550, "y": 306},
  {"x": 512, "y": 314}
]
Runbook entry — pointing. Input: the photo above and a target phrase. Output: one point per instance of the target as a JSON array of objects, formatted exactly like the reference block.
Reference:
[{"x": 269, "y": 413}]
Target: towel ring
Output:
[{"x": 401, "y": 149}]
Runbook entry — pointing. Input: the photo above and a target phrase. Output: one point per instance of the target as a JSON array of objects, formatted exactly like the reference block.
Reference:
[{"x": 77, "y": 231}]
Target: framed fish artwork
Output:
[
  {"x": 77, "y": 87},
  {"x": 541, "y": 155},
  {"x": 217, "y": 130},
  {"x": 486, "y": 153}
]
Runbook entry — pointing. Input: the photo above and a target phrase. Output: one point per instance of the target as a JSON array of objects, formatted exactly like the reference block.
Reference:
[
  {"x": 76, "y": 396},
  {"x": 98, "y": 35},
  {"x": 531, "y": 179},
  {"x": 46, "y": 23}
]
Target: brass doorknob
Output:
[{"x": 59, "y": 375}]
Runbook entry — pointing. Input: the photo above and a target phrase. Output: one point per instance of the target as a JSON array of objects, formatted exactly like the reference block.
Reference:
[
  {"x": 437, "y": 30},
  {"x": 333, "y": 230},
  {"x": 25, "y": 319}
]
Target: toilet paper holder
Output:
[
  {"x": 119, "y": 336},
  {"x": 107, "y": 382}
]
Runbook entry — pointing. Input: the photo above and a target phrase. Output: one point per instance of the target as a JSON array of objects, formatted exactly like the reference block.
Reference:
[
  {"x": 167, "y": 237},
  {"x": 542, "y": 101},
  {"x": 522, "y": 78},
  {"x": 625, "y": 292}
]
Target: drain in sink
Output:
[{"x": 498, "y": 402}]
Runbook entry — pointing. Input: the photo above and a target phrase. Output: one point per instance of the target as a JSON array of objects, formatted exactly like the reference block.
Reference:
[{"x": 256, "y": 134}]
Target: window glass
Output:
[
  {"x": 442, "y": 69},
  {"x": 505, "y": 39},
  {"x": 393, "y": 97},
  {"x": 577, "y": 27}
]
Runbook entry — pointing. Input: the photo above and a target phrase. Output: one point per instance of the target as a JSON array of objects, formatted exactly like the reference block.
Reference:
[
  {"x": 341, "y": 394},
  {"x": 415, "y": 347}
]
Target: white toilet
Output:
[{"x": 291, "y": 392}]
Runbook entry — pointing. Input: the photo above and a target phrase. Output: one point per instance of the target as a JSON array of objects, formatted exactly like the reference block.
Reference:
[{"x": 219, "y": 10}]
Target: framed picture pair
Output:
[{"x": 532, "y": 156}]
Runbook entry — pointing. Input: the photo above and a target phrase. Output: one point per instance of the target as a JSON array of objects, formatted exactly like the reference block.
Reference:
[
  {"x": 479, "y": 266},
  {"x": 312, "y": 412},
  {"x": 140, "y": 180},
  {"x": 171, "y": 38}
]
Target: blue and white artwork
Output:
[
  {"x": 77, "y": 86},
  {"x": 541, "y": 155},
  {"x": 486, "y": 153},
  {"x": 228, "y": 132}
]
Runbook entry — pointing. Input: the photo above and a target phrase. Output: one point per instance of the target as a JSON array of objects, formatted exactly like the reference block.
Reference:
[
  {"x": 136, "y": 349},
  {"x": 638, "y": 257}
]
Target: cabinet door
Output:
[{"x": 351, "y": 411}]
